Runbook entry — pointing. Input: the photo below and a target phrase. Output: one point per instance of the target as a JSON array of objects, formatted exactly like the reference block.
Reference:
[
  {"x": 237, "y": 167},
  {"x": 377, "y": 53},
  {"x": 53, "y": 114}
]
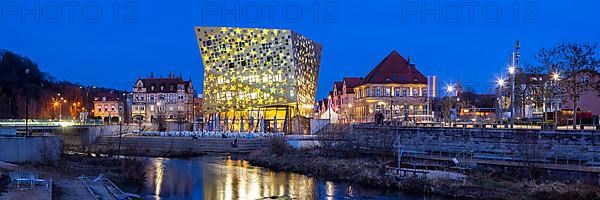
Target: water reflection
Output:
[{"x": 220, "y": 178}]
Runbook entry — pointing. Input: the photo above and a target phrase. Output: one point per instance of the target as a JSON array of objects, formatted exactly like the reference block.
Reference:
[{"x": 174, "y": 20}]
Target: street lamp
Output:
[
  {"x": 512, "y": 72},
  {"x": 450, "y": 90},
  {"x": 27, "y": 106},
  {"x": 555, "y": 78},
  {"x": 501, "y": 82}
]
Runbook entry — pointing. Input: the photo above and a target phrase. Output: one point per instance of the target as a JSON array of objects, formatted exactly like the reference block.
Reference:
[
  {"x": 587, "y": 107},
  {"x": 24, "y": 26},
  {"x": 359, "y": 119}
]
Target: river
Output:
[{"x": 218, "y": 177}]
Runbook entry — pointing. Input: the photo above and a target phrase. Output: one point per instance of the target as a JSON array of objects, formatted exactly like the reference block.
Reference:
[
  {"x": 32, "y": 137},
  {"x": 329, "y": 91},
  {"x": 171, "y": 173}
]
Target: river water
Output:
[{"x": 214, "y": 177}]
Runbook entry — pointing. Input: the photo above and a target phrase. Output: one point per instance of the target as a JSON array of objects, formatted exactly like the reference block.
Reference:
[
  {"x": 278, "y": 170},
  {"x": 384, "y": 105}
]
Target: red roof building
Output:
[{"x": 395, "y": 88}]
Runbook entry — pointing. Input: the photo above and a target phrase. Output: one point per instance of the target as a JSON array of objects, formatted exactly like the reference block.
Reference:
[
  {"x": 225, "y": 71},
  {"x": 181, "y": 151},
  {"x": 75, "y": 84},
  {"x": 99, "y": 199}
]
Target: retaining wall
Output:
[
  {"x": 580, "y": 148},
  {"x": 175, "y": 146},
  {"x": 30, "y": 149}
]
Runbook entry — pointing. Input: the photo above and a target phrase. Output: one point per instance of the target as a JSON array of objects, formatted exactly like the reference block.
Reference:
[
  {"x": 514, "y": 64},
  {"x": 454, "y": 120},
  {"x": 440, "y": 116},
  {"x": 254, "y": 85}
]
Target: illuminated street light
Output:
[
  {"x": 501, "y": 82},
  {"x": 511, "y": 70},
  {"x": 450, "y": 88},
  {"x": 556, "y": 76}
]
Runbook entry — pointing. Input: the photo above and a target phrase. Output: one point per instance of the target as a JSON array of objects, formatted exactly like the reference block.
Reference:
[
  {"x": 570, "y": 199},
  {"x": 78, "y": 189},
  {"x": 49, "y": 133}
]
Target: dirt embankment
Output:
[
  {"x": 370, "y": 171},
  {"x": 127, "y": 173}
]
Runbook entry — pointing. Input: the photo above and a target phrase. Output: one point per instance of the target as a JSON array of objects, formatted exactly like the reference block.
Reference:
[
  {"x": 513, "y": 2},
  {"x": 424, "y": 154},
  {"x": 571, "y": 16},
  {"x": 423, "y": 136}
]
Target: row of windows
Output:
[
  {"x": 162, "y": 87},
  {"x": 387, "y": 91},
  {"x": 171, "y": 97},
  {"x": 161, "y": 108}
]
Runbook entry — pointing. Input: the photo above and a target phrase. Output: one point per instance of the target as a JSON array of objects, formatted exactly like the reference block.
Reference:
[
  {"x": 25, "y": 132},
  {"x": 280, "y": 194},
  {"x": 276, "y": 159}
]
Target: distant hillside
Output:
[{"x": 21, "y": 77}]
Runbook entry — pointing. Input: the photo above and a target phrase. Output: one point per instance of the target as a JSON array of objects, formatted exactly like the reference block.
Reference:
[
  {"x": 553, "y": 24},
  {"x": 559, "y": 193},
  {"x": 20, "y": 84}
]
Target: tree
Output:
[
  {"x": 20, "y": 77},
  {"x": 576, "y": 63}
]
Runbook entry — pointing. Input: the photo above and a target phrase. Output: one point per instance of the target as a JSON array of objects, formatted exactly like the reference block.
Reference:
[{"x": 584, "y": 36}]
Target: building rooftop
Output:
[
  {"x": 163, "y": 85},
  {"x": 394, "y": 69},
  {"x": 351, "y": 82}
]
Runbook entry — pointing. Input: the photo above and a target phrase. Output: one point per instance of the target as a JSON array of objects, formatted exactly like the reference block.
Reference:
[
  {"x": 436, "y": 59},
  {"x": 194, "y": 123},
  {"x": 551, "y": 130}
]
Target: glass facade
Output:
[{"x": 253, "y": 74}]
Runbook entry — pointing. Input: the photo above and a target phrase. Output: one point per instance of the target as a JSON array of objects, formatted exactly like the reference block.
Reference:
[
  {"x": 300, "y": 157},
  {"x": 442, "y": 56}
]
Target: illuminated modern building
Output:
[{"x": 254, "y": 75}]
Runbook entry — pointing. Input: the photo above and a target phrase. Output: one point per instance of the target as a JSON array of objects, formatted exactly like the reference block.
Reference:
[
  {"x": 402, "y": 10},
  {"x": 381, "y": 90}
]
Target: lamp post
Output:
[
  {"x": 501, "y": 104},
  {"x": 555, "y": 79},
  {"x": 450, "y": 89},
  {"x": 58, "y": 101},
  {"x": 27, "y": 107},
  {"x": 512, "y": 72}
]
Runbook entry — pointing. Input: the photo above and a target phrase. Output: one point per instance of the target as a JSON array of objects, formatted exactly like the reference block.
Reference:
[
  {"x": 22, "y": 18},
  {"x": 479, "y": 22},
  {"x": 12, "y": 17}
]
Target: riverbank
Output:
[
  {"x": 370, "y": 171},
  {"x": 127, "y": 173}
]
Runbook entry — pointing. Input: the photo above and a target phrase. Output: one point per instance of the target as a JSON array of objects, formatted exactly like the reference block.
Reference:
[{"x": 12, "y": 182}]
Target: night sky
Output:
[{"x": 356, "y": 35}]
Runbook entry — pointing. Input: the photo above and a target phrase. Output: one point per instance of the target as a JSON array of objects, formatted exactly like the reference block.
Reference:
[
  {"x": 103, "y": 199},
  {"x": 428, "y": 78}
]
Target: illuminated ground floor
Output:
[
  {"x": 271, "y": 119},
  {"x": 393, "y": 109}
]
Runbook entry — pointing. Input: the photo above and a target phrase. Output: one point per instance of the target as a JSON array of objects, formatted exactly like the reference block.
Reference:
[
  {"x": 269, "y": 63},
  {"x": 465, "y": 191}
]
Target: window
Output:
[
  {"x": 416, "y": 92},
  {"x": 369, "y": 92},
  {"x": 378, "y": 92},
  {"x": 404, "y": 92},
  {"x": 397, "y": 92},
  {"x": 388, "y": 92}
]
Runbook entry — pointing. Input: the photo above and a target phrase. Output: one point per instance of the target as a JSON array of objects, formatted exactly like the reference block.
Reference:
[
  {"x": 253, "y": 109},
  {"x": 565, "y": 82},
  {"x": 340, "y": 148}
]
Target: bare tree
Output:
[
  {"x": 530, "y": 153},
  {"x": 577, "y": 63}
]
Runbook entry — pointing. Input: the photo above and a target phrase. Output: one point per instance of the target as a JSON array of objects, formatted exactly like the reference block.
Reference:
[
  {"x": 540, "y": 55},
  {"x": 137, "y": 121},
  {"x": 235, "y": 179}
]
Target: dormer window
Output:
[
  {"x": 171, "y": 88},
  {"x": 152, "y": 88},
  {"x": 162, "y": 87}
]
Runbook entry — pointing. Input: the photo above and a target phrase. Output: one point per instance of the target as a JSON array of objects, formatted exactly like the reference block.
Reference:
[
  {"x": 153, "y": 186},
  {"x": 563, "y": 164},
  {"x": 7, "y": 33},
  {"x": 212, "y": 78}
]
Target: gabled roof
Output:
[
  {"x": 338, "y": 85},
  {"x": 351, "y": 82},
  {"x": 394, "y": 69}
]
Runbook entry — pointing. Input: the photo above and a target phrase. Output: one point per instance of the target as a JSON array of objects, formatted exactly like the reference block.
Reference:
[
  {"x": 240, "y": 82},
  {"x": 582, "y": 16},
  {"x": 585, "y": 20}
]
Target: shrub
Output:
[{"x": 279, "y": 145}]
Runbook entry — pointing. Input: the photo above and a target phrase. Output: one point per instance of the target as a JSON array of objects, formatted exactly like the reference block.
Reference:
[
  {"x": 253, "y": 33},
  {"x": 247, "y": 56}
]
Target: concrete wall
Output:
[
  {"x": 30, "y": 149},
  {"x": 553, "y": 147},
  {"x": 174, "y": 146},
  {"x": 76, "y": 137},
  {"x": 8, "y": 131}
]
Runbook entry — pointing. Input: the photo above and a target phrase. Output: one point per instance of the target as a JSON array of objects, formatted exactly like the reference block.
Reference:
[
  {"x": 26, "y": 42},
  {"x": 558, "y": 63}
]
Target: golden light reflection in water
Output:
[
  {"x": 225, "y": 179},
  {"x": 158, "y": 174}
]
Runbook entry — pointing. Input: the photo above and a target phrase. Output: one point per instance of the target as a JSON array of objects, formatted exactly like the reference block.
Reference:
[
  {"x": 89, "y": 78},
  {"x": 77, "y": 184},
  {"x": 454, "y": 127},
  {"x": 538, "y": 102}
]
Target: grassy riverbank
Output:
[{"x": 370, "y": 171}]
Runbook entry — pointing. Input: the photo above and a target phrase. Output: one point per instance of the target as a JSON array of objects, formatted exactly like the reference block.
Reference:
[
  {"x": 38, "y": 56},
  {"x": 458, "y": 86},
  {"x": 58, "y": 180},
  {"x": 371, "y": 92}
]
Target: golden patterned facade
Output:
[{"x": 252, "y": 73}]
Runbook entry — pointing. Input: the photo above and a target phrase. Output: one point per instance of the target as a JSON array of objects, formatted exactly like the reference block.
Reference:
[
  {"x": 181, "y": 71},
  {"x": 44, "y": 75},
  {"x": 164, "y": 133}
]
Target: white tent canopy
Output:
[{"x": 328, "y": 113}]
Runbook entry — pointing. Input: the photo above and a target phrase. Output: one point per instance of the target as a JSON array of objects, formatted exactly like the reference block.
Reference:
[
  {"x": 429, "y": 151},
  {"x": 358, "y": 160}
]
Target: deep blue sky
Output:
[{"x": 161, "y": 37}]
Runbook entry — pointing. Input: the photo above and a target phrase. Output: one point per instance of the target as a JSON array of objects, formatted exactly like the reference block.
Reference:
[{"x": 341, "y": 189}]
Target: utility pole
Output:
[{"x": 27, "y": 93}]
